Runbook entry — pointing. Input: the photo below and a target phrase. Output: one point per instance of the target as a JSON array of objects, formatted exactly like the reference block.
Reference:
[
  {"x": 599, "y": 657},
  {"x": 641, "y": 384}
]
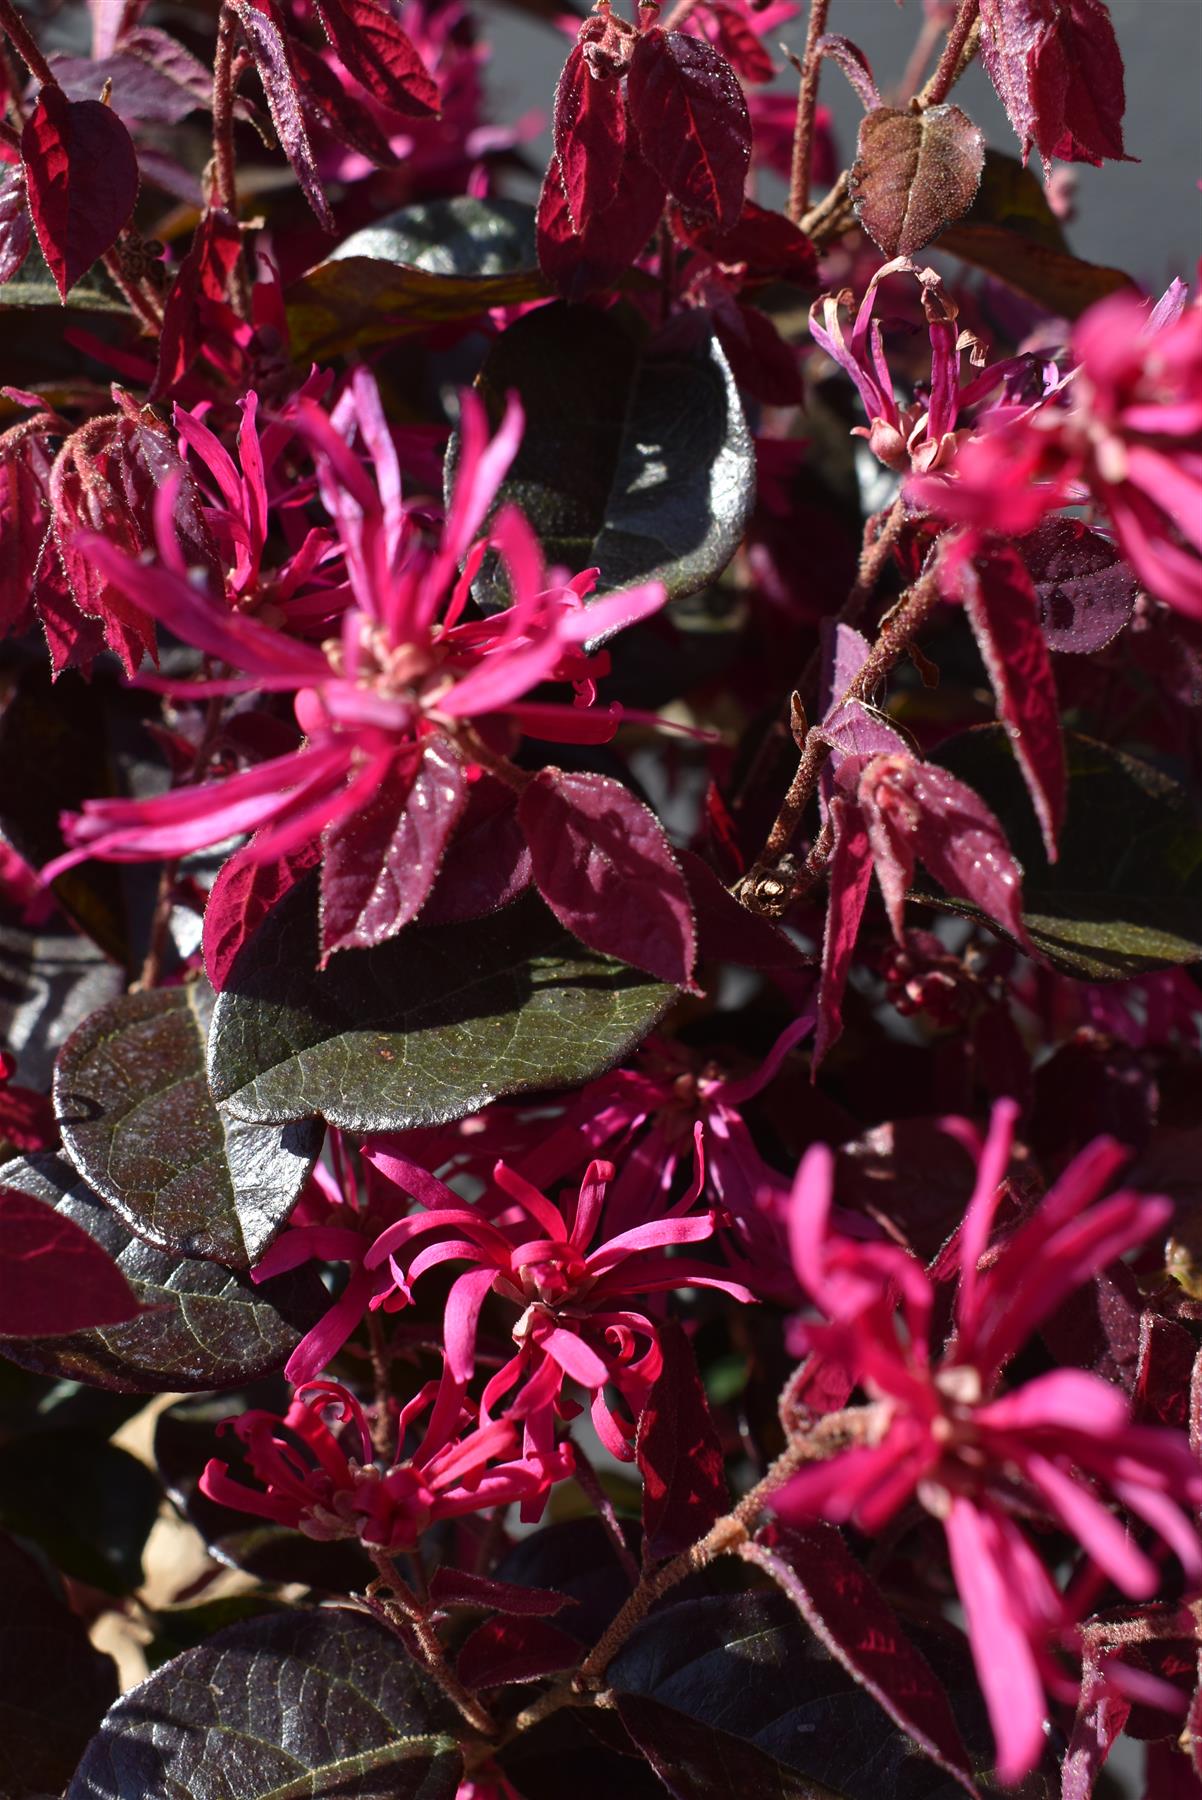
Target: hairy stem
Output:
[
  {"x": 897, "y": 631},
  {"x": 416, "y": 1615},
  {"x": 807, "y": 110},
  {"x": 958, "y": 52},
  {"x": 21, "y": 39},
  {"x": 139, "y": 301},
  {"x": 225, "y": 182}
]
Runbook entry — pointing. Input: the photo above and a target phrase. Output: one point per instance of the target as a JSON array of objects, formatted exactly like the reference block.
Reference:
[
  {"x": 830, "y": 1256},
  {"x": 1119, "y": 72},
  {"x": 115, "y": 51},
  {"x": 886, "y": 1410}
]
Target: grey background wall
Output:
[{"x": 1145, "y": 217}]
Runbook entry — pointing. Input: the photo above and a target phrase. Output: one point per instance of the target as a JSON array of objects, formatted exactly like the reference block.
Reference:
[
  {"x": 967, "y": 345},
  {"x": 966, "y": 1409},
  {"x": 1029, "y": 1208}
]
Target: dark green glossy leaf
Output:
[
  {"x": 210, "y": 1327},
  {"x": 50, "y": 980},
  {"x": 54, "y": 1688},
  {"x": 1126, "y": 895},
  {"x": 280, "y": 1708},
  {"x": 140, "y": 1125},
  {"x": 426, "y": 1028},
  {"x": 636, "y": 461},
  {"x": 744, "y": 1700},
  {"x": 424, "y": 265},
  {"x": 88, "y": 1504},
  {"x": 1011, "y": 232}
]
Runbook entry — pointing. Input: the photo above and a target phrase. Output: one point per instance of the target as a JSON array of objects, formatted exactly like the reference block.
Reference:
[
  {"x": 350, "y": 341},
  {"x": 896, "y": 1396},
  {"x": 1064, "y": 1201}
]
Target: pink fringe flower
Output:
[
  {"x": 327, "y": 1482},
  {"x": 941, "y": 1433}
]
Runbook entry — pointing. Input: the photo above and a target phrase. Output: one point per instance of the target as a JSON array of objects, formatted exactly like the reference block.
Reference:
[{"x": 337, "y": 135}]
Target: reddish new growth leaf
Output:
[
  {"x": 380, "y": 863},
  {"x": 241, "y": 897},
  {"x": 765, "y": 245},
  {"x": 590, "y": 136},
  {"x": 606, "y": 870},
  {"x": 269, "y": 47},
  {"x": 1086, "y": 592},
  {"x": 373, "y": 48},
  {"x": 81, "y": 171},
  {"x": 692, "y": 123},
  {"x": 1058, "y": 71},
  {"x": 16, "y": 229},
  {"x": 579, "y": 263},
  {"x": 847, "y": 1612},
  {"x": 1004, "y": 614},
  {"x": 679, "y": 1454},
  {"x": 507, "y": 1650},
  {"x": 199, "y": 299},
  {"x": 914, "y": 174},
  {"x": 54, "y": 1278}
]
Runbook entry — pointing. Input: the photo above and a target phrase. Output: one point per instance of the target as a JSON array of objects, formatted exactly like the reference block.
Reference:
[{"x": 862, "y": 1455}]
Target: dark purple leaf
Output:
[
  {"x": 54, "y": 1278},
  {"x": 1086, "y": 592},
  {"x": 458, "y": 1587},
  {"x": 270, "y": 51},
  {"x": 1166, "y": 1362},
  {"x": 81, "y": 171},
  {"x": 314, "y": 1701},
  {"x": 589, "y": 124},
  {"x": 914, "y": 174},
  {"x": 679, "y": 1454},
  {"x": 847, "y": 1612},
  {"x": 605, "y": 868},
  {"x": 768, "y": 246},
  {"x": 380, "y": 863},
  {"x": 16, "y": 234},
  {"x": 147, "y": 89},
  {"x": 1004, "y": 615},
  {"x": 54, "y": 1687},
  {"x": 141, "y": 1127},
  {"x": 743, "y": 50},
  {"x": 691, "y": 118},
  {"x": 850, "y": 880},
  {"x": 204, "y": 1327},
  {"x": 507, "y": 1650},
  {"x": 487, "y": 862},
  {"x": 373, "y": 48},
  {"x": 88, "y": 1504}
]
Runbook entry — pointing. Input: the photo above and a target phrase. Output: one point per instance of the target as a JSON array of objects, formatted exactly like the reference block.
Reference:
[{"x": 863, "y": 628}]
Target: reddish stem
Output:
[
  {"x": 19, "y": 37},
  {"x": 226, "y": 68},
  {"x": 807, "y": 112},
  {"x": 955, "y": 56}
]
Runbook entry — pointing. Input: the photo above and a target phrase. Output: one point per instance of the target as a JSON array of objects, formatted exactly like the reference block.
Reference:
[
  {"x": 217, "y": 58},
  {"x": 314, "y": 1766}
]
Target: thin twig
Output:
[
  {"x": 958, "y": 52},
  {"x": 225, "y": 81},
  {"x": 807, "y": 109},
  {"x": 434, "y": 1658},
  {"x": 21, "y": 39}
]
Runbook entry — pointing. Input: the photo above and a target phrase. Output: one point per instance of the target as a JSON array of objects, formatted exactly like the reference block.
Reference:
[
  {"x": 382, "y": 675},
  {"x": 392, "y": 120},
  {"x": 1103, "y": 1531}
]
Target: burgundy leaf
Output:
[
  {"x": 679, "y": 1453},
  {"x": 373, "y": 48},
  {"x": 458, "y": 1587},
  {"x": 23, "y": 527},
  {"x": 767, "y": 245},
  {"x": 198, "y": 298},
  {"x": 81, "y": 171},
  {"x": 1058, "y": 71},
  {"x": 580, "y": 263},
  {"x": 763, "y": 363},
  {"x": 270, "y": 51},
  {"x": 329, "y": 106},
  {"x": 918, "y": 809},
  {"x": 692, "y": 123},
  {"x": 1004, "y": 614},
  {"x": 589, "y": 125},
  {"x": 855, "y": 65},
  {"x": 847, "y": 1612},
  {"x": 143, "y": 90},
  {"x": 243, "y": 894},
  {"x": 54, "y": 1277},
  {"x": 743, "y": 50},
  {"x": 379, "y": 864},
  {"x": 1086, "y": 592},
  {"x": 914, "y": 174},
  {"x": 850, "y": 879},
  {"x": 727, "y": 931},
  {"x": 606, "y": 870},
  {"x": 27, "y": 1119},
  {"x": 507, "y": 1650},
  {"x": 487, "y": 862},
  {"x": 16, "y": 226},
  {"x": 1166, "y": 1362}
]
